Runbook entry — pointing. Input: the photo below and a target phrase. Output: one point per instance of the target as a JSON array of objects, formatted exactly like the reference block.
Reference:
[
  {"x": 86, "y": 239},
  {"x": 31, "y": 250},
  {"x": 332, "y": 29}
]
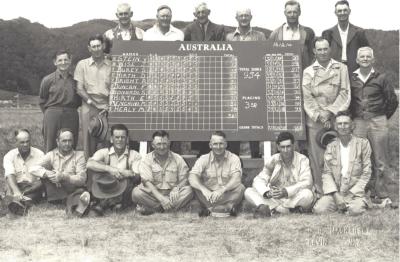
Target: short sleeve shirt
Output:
[
  {"x": 110, "y": 157},
  {"x": 154, "y": 34}
]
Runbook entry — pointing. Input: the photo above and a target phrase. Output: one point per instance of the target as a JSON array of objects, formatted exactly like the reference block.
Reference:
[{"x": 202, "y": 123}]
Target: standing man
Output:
[
  {"x": 345, "y": 38},
  {"x": 244, "y": 32},
  {"x": 202, "y": 29},
  {"x": 164, "y": 177},
  {"x": 285, "y": 182},
  {"x": 125, "y": 30},
  {"x": 114, "y": 172},
  {"x": 63, "y": 172},
  {"x": 93, "y": 76},
  {"x": 216, "y": 178},
  {"x": 163, "y": 30},
  {"x": 21, "y": 185},
  {"x": 347, "y": 169},
  {"x": 326, "y": 91},
  {"x": 373, "y": 102},
  {"x": 292, "y": 30},
  {"x": 59, "y": 101}
]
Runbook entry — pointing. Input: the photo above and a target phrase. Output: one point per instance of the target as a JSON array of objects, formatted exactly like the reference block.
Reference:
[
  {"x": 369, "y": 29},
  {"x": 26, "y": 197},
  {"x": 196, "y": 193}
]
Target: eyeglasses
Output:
[{"x": 124, "y": 14}]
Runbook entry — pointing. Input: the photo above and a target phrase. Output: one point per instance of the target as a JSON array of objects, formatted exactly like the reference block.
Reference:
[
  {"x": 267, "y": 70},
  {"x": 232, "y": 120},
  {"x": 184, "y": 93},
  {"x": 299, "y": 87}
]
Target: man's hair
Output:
[
  {"x": 292, "y": 2},
  {"x": 200, "y": 5},
  {"x": 161, "y": 133},
  {"x": 365, "y": 48},
  {"x": 96, "y": 37},
  {"x": 284, "y": 136},
  {"x": 343, "y": 113},
  {"x": 61, "y": 52},
  {"x": 218, "y": 133},
  {"x": 124, "y": 5},
  {"x": 62, "y": 130},
  {"x": 342, "y": 2},
  {"x": 119, "y": 127},
  {"x": 246, "y": 10},
  {"x": 163, "y": 7},
  {"x": 320, "y": 39},
  {"x": 20, "y": 130}
]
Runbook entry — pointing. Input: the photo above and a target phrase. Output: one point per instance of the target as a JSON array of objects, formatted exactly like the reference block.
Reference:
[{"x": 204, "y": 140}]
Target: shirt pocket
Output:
[
  {"x": 157, "y": 173},
  {"x": 171, "y": 174}
]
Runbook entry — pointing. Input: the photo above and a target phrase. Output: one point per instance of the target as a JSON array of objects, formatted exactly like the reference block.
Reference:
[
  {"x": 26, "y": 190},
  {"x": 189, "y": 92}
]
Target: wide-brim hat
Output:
[
  {"x": 98, "y": 126},
  {"x": 106, "y": 186},
  {"x": 75, "y": 203},
  {"x": 325, "y": 136}
]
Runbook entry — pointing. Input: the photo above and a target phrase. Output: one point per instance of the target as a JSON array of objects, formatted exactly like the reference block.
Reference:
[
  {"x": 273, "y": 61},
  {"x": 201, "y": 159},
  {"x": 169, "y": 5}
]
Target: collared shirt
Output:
[
  {"x": 124, "y": 34},
  {"x": 325, "y": 89},
  {"x": 343, "y": 37},
  {"x": 174, "y": 171},
  {"x": 344, "y": 158},
  {"x": 57, "y": 91},
  {"x": 72, "y": 165},
  {"x": 15, "y": 165},
  {"x": 251, "y": 35},
  {"x": 362, "y": 78},
  {"x": 293, "y": 178},
  {"x": 155, "y": 34},
  {"x": 214, "y": 174},
  {"x": 291, "y": 34},
  {"x": 96, "y": 79},
  {"x": 109, "y": 157}
]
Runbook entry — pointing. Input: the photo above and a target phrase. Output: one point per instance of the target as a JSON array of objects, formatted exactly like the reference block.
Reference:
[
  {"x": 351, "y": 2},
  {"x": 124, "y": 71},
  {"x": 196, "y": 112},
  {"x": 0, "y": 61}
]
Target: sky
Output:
[{"x": 317, "y": 14}]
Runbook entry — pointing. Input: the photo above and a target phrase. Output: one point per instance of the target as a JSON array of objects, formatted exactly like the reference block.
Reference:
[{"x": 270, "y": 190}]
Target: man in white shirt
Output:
[{"x": 163, "y": 30}]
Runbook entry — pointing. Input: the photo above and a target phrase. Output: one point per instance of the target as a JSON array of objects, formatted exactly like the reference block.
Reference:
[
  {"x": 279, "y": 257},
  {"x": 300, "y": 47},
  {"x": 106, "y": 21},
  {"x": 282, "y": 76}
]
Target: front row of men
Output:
[{"x": 117, "y": 177}]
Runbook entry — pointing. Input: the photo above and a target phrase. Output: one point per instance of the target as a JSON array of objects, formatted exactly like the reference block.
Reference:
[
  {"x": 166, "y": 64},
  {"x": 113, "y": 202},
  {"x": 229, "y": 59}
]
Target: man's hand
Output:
[
  {"x": 278, "y": 192},
  {"x": 125, "y": 172},
  {"x": 174, "y": 195},
  {"x": 166, "y": 203},
  {"x": 327, "y": 125},
  {"x": 325, "y": 115},
  {"x": 340, "y": 203},
  {"x": 207, "y": 194},
  {"x": 18, "y": 196},
  {"x": 52, "y": 176},
  {"x": 115, "y": 172},
  {"x": 215, "y": 195}
]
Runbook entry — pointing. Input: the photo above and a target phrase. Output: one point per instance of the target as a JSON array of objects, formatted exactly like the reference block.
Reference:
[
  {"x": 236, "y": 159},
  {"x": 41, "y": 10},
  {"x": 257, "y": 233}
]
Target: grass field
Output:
[{"x": 45, "y": 234}]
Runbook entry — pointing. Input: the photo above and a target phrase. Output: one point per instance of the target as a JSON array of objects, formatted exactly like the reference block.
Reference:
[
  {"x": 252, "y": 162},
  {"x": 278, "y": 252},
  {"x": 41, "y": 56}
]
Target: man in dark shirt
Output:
[
  {"x": 373, "y": 102},
  {"x": 59, "y": 101}
]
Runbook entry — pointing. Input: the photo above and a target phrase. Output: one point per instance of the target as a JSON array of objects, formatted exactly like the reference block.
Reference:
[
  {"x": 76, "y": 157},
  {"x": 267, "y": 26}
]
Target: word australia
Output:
[{"x": 205, "y": 47}]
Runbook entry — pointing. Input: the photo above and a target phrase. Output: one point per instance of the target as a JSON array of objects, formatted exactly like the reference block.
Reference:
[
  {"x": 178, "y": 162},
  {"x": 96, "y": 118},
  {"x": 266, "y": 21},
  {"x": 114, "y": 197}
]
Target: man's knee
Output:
[
  {"x": 138, "y": 194},
  {"x": 306, "y": 198},
  {"x": 324, "y": 205},
  {"x": 187, "y": 192},
  {"x": 357, "y": 207}
]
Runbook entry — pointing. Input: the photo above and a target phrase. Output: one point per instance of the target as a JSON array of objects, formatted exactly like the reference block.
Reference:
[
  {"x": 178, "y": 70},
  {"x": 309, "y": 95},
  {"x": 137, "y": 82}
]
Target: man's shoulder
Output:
[
  {"x": 11, "y": 153},
  {"x": 79, "y": 154},
  {"x": 329, "y": 30},
  {"x": 134, "y": 153},
  {"x": 36, "y": 151},
  {"x": 49, "y": 77}
]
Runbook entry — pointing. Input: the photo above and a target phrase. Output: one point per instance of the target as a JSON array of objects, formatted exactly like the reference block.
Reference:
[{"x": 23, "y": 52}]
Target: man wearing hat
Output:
[
  {"x": 326, "y": 91},
  {"x": 114, "y": 171},
  {"x": 93, "y": 76},
  {"x": 347, "y": 170},
  {"x": 284, "y": 184},
  {"x": 22, "y": 187},
  {"x": 164, "y": 178},
  {"x": 63, "y": 172},
  {"x": 216, "y": 178}
]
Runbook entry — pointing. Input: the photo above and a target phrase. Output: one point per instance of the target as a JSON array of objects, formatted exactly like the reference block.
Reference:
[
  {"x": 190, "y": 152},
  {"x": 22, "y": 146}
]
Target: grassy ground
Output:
[{"x": 45, "y": 234}]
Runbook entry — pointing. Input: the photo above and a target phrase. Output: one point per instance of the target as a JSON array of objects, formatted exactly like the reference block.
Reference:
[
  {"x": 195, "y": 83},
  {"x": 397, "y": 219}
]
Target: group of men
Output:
[{"x": 341, "y": 91}]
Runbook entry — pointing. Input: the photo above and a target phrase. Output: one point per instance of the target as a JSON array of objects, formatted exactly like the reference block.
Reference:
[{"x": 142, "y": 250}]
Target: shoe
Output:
[
  {"x": 98, "y": 210},
  {"x": 233, "y": 212},
  {"x": 262, "y": 211},
  {"x": 17, "y": 208},
  {"x": 204, "y": 212},
  {"x": 83, "y": 204},
  {"x": 297, "y": 210}
]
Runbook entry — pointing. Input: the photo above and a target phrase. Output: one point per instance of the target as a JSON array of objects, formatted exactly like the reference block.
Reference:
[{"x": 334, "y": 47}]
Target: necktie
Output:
[{"x": 203, "y": 32}]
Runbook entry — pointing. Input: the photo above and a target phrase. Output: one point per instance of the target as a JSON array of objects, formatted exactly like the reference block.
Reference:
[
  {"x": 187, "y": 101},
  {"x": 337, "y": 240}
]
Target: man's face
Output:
[
  {"x": 96, "y": 48},
  {"x": 202, "y": 14},
  {"x": 286, "y": 149},
  {"x": 344, "y": 125},
  {"x": 218, "y": 145},
  {"x": 322, "y": 51},
  {"x": 292, "y": 14},
  {"x": 161, "y": 145},
  {"x": 119, "y": 139},
  {"x": 342, "y": 12},
  {"x": 23, "y": 142},
  {"x": 164, "y": 17},
  {"x": 65, "y": 142},
  {"x": 243, "y": 18},
  {"x": 124, "y": 15},
  {"x": 365, "y": 59},
  {"x": 62, "y": 62}
]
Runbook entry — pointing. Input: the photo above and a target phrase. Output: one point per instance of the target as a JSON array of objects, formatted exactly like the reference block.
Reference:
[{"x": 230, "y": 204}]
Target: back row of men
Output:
[{"x": 117, "y": 177}]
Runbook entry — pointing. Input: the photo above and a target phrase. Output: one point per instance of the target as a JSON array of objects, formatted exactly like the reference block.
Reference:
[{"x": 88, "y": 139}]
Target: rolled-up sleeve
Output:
[
  {"x": 261, "y": 181},
  {"x": 44, "y": 164},
  {"x": 79, "y": 178},
  {"x": 145, "y": 170}
]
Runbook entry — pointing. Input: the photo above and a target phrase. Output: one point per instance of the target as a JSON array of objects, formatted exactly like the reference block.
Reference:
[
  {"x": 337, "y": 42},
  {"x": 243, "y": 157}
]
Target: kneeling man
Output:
[
  {"x": 347, "y": 170},
  {"x": 63, "y": 172},
  {"x": 284, "y": 184},
  {"x": 114, "y": 172},
  {"x": 164, "y": 177},
  {"x": 216, "y": 178}
]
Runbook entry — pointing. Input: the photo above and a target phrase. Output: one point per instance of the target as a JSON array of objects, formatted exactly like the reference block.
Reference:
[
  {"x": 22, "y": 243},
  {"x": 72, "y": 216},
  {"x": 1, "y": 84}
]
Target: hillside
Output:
[{"x": 26, "y": 49}]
